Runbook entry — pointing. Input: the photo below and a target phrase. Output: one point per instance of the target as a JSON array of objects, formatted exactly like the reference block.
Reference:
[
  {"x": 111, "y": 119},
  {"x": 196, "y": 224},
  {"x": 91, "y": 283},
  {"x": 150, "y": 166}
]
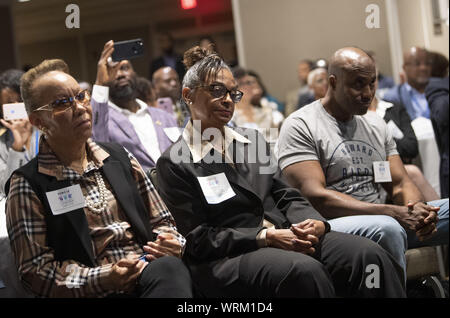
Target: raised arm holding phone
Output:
[{"x": 121, "y": 117}]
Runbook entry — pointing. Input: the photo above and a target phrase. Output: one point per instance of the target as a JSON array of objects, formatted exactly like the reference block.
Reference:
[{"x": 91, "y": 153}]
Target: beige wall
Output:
[
  {"x": 277, "y": 34},
  {"x": 416, "y": 26}
]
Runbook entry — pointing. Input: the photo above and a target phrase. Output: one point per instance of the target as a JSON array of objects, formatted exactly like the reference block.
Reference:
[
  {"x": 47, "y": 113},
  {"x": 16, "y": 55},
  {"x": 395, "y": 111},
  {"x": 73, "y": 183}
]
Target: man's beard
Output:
[{"x": 122, "y": 94}]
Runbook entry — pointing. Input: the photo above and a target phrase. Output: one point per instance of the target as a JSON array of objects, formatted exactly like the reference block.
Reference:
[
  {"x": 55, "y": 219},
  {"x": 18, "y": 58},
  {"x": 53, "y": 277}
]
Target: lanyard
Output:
[
  {"x": 36, "y": 143},
  {"x": 36, "y": 146}
]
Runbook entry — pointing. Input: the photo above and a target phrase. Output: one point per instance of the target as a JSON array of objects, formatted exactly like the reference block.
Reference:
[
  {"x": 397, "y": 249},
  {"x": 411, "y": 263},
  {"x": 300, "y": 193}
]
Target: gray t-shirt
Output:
[{"x": 346, "y": 150}]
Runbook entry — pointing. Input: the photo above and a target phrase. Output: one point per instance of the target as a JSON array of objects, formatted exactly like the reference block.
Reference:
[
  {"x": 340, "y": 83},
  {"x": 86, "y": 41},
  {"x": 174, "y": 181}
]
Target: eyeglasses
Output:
[
  {"x": 61, "y": 105},
  {"x": 220, "y": 91}
]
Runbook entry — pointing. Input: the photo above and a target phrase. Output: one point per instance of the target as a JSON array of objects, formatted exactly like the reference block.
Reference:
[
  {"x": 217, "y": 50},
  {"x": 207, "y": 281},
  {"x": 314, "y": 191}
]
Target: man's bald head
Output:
[
  {"x": 167, "y": 83},
  {"x": 352, "y": 75},
  {"x": 417, "y": 67},
  {"x": 412, "y": 53},
  {"x": 350, "y": 59}
]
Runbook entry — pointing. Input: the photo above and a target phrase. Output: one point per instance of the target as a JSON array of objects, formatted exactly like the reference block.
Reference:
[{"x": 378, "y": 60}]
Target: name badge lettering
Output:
[
  {"x": 382, "y": 171},
  {"x": 216, "y": 188},
  {"x": 66, "y": 199}
]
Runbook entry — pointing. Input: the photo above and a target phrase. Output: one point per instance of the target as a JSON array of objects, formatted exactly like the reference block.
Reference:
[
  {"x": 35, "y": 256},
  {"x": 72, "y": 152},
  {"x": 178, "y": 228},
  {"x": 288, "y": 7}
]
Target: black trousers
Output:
[
  {"x": 165, "y": 277},
  {"x": 343, "y": 265}
]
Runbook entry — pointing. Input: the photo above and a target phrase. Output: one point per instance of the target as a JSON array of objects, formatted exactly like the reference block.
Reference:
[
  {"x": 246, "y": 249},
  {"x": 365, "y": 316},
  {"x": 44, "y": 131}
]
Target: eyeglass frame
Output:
[
  {"x": 226, "y": 93},
  {"x": 72, "y": 100}
]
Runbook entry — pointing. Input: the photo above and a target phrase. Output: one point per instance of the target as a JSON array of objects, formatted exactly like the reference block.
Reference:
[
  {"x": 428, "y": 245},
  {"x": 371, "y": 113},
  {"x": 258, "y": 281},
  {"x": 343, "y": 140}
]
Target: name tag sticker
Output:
[
  {"x": 382, "y": 171},
  {"x": 66, "y": 199},
  {"x": 216, "y": 188}
]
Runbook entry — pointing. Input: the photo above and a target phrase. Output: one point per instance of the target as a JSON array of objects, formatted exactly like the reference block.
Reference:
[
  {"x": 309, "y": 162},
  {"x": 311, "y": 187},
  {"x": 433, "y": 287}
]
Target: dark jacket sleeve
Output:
[
  {"x": 178, "y": 189},
  {"x": 292, "y": 204},
  {"x": 407, "y": 146},
  {"x": 438, "y": 101}
]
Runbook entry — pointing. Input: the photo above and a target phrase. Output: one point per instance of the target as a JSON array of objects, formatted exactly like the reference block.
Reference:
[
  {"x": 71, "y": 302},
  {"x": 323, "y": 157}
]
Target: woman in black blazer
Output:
[{"x": 248, "y": 233}]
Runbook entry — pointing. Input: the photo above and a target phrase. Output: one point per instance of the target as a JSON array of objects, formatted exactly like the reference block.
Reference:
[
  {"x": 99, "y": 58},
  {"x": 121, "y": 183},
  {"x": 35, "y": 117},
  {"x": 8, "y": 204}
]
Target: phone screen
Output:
[
  {"x": 165, "y": 103},
  {"x": 14, "y": 111}
]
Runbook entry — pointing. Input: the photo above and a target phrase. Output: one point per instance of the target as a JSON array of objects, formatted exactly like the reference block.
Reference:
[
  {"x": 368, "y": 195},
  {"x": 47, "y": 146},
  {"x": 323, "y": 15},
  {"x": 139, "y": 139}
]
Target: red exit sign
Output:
[{"x": 188, "y": 4}]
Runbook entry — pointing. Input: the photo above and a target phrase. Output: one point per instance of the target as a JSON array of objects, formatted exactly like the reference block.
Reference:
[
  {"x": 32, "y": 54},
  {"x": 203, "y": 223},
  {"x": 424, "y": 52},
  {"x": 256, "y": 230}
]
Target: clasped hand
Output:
[
  {"x": 299, "y": 237},
  {"x": 422, "y": 219},
  {"x": 165, "y": 245}
]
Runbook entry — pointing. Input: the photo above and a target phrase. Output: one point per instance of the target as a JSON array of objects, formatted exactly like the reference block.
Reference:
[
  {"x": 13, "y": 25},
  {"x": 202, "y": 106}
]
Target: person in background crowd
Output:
[
  {"x": 411, "y": 95},
  {"x": 145, "y": 91},
  {"x": 293, "y": 96},
  {"x": 308, "y": 96},
  {"x": 248, "y": 234},
  {"x": 250, "y": 112},
  {"x": 439, "y": 65},
  {"x": 168, "y": 56},
  {"x": 385, "y": 83},
  {"x": 399, "y": 125},
  {"x": 167, "y": 84},
  {"x": 19, "y": 141},
  {"x": 90, "y": 245},
  {"x": 437, "y": 97},
  {"x": 318, "y": 85},
  {"x": 122, "y": 118},
  {"x": 208, "y": 42},
  {"x": 267, "y": 99}
]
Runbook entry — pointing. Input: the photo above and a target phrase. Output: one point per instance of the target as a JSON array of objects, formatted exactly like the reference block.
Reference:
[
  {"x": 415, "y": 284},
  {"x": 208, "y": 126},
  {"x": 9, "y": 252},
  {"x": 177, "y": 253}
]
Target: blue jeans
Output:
[{"x": 383, "y": 229}]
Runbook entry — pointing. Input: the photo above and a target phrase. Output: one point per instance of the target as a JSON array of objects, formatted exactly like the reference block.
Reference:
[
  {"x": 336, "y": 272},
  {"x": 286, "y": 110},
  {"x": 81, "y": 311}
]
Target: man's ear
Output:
[{"x": 332, "y": 80}]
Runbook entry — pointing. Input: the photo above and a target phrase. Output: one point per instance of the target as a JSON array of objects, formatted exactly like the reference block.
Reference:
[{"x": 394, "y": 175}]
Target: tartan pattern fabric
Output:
[{"x": 111, "y": 233}]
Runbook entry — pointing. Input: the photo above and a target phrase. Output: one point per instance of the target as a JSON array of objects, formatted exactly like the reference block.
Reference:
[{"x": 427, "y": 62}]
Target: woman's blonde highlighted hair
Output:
[{"x": 29, "y": 78}]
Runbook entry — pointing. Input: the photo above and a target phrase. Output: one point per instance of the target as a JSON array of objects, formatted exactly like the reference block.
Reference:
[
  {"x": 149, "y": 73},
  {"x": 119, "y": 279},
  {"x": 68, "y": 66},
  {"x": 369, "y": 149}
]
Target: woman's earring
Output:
[{"x": 44, "y": 130}]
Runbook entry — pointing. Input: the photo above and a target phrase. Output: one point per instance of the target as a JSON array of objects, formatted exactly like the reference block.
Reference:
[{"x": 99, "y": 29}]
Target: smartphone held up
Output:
[{"x": 127, "y": 50}]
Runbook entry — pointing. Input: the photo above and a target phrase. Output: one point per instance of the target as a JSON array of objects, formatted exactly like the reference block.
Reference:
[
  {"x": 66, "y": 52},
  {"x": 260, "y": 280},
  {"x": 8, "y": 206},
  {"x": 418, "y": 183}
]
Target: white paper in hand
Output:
[
  {"x": 216, "y": 188},
  {"x": 14, "y": 111}
]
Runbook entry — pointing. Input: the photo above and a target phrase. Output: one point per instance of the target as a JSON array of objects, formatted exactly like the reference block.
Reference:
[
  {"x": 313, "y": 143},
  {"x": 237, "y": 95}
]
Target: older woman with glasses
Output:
[
  {"x": 83, "y": 218},
  {"x": 248, "y": 233}
]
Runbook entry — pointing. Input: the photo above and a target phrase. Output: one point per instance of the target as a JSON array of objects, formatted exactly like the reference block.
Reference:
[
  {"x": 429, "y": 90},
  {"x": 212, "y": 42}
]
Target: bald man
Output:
[
  {"x": 417, "y": 67},
  {"x": 167, "y": 84},
  {"x": 339, "y": 157}
]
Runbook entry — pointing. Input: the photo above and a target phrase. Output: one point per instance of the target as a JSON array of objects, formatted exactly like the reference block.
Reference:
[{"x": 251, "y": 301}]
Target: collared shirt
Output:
[
  {"x": 200, "y": 148},
  {"x": 110, "y": 231},
  {"x": 382, "y": 107},
  {"x": 418, "y": 102},
  {"x": 143, "y": 125}
]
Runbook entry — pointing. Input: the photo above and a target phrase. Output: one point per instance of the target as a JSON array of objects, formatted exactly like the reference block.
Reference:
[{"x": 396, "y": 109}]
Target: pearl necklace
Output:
[{"x": 102, "y": 204}]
